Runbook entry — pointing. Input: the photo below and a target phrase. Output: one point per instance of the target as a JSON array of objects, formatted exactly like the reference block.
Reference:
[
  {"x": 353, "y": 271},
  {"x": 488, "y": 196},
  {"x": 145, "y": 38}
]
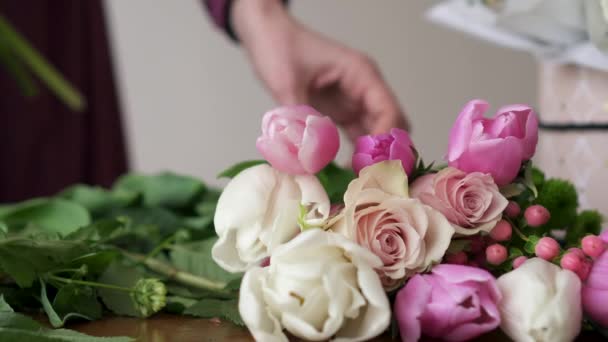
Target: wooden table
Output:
[{"x": 168, "y": 328}]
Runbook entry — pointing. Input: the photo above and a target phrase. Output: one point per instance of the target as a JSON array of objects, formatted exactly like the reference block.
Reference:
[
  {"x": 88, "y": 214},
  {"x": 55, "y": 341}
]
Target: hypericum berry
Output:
[
  {"x": 583, "y": 273},
  {"x": 572, "y": 261},
  {"x": 513, "y": 209},
  {"x": 537, "y": 215},
  {"x": 459, "y": 258},
  {"x": 518, "y": 261},
  {"x": 576, "y": 251},
  {"x": 477, "y": 244},
  {"x": 502, "y": 231},
  {"x": 547, "y": 248},
  {"x": 496, "y": 254},
  {"x": 593, "y": 246}
]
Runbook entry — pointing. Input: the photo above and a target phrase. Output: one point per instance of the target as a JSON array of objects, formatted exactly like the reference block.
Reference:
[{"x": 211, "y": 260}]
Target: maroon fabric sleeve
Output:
[{"x": 219, "y": 10}]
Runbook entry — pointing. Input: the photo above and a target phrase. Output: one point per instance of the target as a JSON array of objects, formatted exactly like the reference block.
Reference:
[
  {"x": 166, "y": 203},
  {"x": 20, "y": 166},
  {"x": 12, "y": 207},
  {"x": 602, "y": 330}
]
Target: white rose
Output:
[
  {"x": 541, "y": 303},
  {"x": 259, "y": 210},
  {"x": 318, "y": 286},
  {"x": 406, "y": 234}
]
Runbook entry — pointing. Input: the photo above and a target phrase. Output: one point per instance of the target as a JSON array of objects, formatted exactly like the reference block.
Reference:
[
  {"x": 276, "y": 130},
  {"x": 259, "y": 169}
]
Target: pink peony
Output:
[
  {"x": 497, "y": 146},
  {"x": 298, "y": 140},
  {"x": 396, "y": 145},
  {"x": 454, "y": 303},
  {"x": 595, "y": 291},
  {"x": 471, "y": 202}
]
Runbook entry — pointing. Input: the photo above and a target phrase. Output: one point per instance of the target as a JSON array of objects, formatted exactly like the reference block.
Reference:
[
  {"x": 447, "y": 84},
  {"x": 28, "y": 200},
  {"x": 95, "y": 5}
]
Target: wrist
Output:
[{"x": 254, "y": 19}]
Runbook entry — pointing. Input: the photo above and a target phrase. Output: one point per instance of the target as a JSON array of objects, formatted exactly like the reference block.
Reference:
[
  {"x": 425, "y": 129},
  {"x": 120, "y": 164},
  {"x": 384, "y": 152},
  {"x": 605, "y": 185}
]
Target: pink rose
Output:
[
  {"x": 396, "y": 145},
  {"x": 454, "y": 303},
  {"x": 471, "y": 202},
  {"x": 595, "y": 291},
  {"x": 496, "y": 146},
  {"x": 298, "y": 140},
  {"x": 407, "y": 235}
]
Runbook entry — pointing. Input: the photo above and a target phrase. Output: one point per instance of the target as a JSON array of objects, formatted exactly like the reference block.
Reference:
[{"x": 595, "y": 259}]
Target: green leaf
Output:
[
  {"x": 16, "y": 68},
  {"x": 53, "y": 215},
  {"x": 512, "y": 190},
  {"x": 459, "y": 245},
  {"x": 195, "y": 258},
  {"x": 531, "y": 244},
  {"x": 25, "y": 259},
  {"x": 210, "y": 308},
  {"x": 41, "y": 67},
  {"x": 77, "y": 301},
  {"x": 165, "y": 189},
  {"x": 95, "y": 262},
  {"x": 335, "y": 180},
  {"x": 237, "y": 168},
  {"x": 18, "y": 327},
  {"x": 529, "y": 180},
  {"x": 119, "y": 274},
  {"x": 97, "y": 199},
  {"x": 177, "y": 304},
  {"x": 515, "y": 252}
]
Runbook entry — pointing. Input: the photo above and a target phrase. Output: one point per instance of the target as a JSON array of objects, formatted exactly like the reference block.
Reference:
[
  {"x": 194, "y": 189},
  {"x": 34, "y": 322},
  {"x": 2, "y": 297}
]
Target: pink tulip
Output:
[
  {"x": 595, "y": 291},
  {"x": 454, "y": 303},
  {"x": 496, "y": 146},
  {"x": 298, "y": 140},
  {"x": 396, "y": 145}
]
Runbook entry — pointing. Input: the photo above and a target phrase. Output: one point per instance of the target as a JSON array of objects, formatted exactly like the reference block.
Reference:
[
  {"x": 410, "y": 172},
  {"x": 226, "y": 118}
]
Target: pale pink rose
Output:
[
  {"x": 396, "y": 145},
  {"x": 406, "y": 234},
  {"x": 471, "y": 202},
  {"x": 497, "y": 146},
  {"x": 298, "y": 140}
]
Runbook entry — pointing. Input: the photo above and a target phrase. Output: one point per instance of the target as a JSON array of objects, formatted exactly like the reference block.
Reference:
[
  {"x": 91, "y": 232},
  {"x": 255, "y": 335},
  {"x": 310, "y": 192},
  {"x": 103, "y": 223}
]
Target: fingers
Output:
[{"x": 380, "y": 106}]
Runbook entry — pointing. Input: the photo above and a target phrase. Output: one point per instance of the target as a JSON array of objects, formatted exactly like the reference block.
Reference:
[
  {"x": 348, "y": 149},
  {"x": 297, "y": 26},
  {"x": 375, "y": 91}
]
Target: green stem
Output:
[
  {"x": 176, "y": 275},
  {"x": 161, "y": 246},
  {"x": 40, "y": 67},
  {"x": 519, "y": 233},
  {"x": 89, "y": 283}
]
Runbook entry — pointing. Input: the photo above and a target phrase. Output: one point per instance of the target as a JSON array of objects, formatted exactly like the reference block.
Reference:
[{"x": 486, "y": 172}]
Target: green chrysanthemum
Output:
[
  {"x": 149, "y": 296},
  {"x": 560, "y": 198}
]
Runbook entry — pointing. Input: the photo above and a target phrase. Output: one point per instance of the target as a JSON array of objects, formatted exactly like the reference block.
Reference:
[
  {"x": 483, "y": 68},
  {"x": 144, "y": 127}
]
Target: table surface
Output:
[{"x": 166, "y": 328}]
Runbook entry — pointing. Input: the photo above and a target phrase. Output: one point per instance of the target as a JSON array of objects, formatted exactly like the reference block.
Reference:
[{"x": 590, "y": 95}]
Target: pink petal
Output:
[
  {"x": 410, "y": 305},
  {"x": 279, "y": 156},
  {"x": 320, "y": 144},
  {"x": 401, "y": 149},
  {"x": 461, "y": 132},
  {"x": 499, "y": 157},
  {"x": 595, "y": 303}
]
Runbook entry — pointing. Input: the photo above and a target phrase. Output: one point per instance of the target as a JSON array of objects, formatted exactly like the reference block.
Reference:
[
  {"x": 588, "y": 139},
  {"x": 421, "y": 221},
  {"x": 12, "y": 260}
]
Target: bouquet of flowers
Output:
[{"x": 450, "y": 252}]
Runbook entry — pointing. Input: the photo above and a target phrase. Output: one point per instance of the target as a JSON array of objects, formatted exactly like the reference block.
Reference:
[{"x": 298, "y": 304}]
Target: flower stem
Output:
[
  {"x": 176, "y": 275},
  {"x": 520, "y": 234},
  {"x": 89, "y": 283}
]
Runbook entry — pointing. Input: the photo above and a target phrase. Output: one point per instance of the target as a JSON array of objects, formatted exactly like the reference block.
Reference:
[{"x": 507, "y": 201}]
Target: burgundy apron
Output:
[{"x": 44, "y": 146}]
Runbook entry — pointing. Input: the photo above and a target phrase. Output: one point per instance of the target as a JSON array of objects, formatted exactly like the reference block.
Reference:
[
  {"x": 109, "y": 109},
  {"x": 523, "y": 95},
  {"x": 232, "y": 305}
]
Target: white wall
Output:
[{"x": 192, "y": 104}]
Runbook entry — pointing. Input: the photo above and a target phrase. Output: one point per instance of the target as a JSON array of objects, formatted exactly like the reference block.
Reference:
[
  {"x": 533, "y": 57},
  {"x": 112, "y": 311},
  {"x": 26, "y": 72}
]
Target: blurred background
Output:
[{"x": 193, "y": 105}]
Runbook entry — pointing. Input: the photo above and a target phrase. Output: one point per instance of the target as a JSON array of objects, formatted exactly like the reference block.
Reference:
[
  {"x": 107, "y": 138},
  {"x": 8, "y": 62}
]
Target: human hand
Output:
[{"x": 299, "y": 66}]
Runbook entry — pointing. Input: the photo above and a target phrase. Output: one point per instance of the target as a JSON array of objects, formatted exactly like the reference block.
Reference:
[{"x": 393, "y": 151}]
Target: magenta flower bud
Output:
[
  {"x": 459, "y": 258},
  {"x": 572, "y": 261},
  {"x": 502, "y": 231},
  {"x": 593, "y": 246},
  {"x": 396, "y": 145},
  {"x": 496, "y": 254},
  {"x": 519, "y": 261},
  {"x": 604, "y": 236},
  {"x": 537, "y": 215},
  {"x": 513, "y": 209},
  {"x": 547, "y": 248},
  {"x": 595, "y": 291}
]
